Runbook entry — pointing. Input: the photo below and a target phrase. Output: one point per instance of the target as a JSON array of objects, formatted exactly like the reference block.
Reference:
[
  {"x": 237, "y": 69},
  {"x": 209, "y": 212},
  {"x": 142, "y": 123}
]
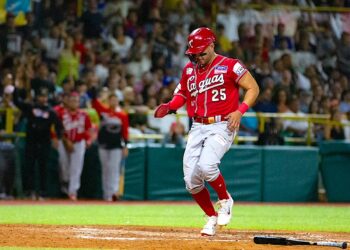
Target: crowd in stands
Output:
[{"x": 299, "y": 56}]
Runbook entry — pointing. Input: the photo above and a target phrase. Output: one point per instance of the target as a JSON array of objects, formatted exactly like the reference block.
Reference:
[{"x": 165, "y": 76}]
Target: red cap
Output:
[{"x": 199, "y": 40}]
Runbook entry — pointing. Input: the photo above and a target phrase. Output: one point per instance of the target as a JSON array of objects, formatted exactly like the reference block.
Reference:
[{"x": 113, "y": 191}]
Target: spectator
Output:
[
  {"x": 264, "y": 102},
  {"x": 345, "y": 102},
  {"x": 176, "y": 134},
  {"x": 53, "y": 45},
  {"x": 280, "y": 38},
  {"x": 335, "y": 130},
  {"x": 92, "y": 21},
  {"x": 280, "y": 100},
  {"x": 343, "y": 54},
  {"x": 10, "y": 37},
  {"x": 68, "y": 62},
  {"x": 295, "y": 128},
  {"x": 42, "y": 81},
  {"x": 120, "y": 43}
]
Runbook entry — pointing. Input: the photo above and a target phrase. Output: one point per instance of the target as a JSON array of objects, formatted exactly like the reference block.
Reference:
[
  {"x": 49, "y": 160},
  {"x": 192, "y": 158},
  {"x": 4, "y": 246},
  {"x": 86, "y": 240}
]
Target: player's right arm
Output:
[{"x": 178, "y": 100}]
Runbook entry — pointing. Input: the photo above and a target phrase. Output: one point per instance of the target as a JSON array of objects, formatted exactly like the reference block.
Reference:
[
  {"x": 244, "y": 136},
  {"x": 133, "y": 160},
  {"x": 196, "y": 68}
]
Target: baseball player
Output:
[
  {"x": 113, "y": 137},
  {"x": 209, "y": 86},
  {"x": 77, "y": 128}
]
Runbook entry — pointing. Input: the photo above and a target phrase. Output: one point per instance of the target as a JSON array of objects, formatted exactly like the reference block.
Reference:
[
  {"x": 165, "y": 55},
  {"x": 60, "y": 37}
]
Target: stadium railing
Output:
[{"x": 263, "y": 118}]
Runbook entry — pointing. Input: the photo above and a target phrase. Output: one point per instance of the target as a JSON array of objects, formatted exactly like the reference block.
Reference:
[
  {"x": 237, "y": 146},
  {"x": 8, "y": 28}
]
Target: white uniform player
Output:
[
  {"x": 77, "y": 128},
  {"x": 210, "y": 88}
]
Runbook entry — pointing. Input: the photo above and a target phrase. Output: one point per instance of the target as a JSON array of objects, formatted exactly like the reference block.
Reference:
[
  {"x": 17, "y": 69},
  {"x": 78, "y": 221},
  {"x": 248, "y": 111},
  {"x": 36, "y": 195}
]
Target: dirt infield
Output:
[{"x": 132, "y": 237}]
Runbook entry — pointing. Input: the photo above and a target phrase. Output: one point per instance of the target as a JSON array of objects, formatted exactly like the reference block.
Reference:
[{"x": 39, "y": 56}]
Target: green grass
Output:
[{"x": 255, "y": 217}]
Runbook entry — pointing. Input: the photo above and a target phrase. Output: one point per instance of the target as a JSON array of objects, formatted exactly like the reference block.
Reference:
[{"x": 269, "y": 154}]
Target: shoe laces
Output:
[{"x": 223, "y": 206}]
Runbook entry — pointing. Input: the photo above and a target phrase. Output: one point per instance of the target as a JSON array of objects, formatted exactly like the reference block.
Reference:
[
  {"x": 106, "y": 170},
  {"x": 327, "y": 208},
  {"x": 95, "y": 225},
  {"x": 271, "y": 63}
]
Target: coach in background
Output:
[
  {"x": 112, "y": 141},
  {"x": 41, "y": 117},
  {"x": 77, "y": 134}
]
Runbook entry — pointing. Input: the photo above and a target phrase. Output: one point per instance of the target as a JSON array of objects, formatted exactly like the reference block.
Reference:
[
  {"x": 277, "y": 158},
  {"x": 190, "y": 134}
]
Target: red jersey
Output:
[
  {"x": 213, "y": 90},
  {"x": 114, "y": 126},
  {"x": 76, "y": 125}
]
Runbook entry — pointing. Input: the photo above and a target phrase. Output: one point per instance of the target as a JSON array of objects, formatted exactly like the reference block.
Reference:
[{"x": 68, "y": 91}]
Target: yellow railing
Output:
[{"x": 262, "y": 118}]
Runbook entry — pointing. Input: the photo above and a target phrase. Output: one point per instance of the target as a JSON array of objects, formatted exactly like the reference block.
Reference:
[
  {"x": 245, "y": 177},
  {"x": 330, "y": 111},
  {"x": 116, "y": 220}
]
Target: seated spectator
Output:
[
  {"x": 294, "y": 127},
  {"x": 345, "y": 102},
  {"x": 176, "y": 134},
  {"x": 249, "y": 125},
  {"x": 281, "y": 38},
  {"x": 280, "y": 100},
  {"x": 334, "y": 131},
  {"x": 272, "y": 134},
  {"x": 264, "y": 103}
]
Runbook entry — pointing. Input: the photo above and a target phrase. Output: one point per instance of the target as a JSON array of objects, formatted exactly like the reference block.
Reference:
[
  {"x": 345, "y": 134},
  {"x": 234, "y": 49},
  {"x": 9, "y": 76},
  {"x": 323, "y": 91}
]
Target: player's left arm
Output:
[{"x": 248, "y": 83}]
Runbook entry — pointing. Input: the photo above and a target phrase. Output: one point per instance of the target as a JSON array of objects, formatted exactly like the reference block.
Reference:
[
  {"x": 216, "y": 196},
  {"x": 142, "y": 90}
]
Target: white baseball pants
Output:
[
  {"x": 110, "y": 161},
  {"x": 206, "y": 145},
  {"x": 71, "y": 165}
]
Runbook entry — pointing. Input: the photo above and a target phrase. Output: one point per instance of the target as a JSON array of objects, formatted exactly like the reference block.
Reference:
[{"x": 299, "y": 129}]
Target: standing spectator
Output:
[
  {"x": 77, "y": 129},
  {"x": 281, "y": 38},
  {"x": 120, "y": 43},
  {"x": 68, "y": 62},
  {"x": 10, "y": 37},
  {"x": 40, "y": 120},
  {"x": 92, "y": 21},
  {"x": 53, "y": 45},
  {"x": 42, "y": 81},
  {"x": 113, "y": 137}
]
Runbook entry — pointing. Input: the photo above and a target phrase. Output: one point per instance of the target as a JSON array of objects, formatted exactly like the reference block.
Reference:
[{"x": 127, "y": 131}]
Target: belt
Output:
[{"x": 209, "y": 119}]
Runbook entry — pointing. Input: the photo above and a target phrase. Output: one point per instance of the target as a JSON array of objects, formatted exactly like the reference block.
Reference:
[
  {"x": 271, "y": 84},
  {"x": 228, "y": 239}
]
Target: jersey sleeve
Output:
[
  {"x": 238, "y": 70},
  {"x": 181, "y": 88},
  {"x": 98, "y": 106}
]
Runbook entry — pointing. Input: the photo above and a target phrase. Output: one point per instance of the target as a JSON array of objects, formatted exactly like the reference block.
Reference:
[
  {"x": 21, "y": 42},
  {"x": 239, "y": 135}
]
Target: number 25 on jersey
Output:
[{"x": 218, "y": 95}]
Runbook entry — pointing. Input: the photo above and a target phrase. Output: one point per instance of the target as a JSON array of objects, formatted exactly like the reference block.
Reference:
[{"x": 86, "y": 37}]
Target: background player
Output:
[
  {"x": 112, "y": 139},
  {"x": 209, "y": 86},
  {"x": 77, "y": 132}
]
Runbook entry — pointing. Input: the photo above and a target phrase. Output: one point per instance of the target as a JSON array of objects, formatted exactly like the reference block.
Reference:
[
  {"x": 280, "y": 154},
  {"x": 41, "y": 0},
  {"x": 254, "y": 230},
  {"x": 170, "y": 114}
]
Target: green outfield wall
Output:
[{"x": 252, "y": 173}]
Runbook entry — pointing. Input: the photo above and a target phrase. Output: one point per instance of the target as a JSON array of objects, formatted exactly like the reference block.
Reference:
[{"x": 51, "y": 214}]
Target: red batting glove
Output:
[{"x": 162, "y": 110}]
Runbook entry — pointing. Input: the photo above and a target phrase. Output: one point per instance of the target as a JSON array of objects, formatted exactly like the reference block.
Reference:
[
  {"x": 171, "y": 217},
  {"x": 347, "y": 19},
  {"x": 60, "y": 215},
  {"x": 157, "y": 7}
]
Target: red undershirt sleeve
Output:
[{"x": 177, "y": 102}]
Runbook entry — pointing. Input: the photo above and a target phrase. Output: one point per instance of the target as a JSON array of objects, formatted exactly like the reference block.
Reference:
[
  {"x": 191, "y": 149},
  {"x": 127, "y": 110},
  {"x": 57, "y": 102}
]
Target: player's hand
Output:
[
  {"x": 125, "y": 152},
  {"x": 68, "y": 145},
  {"x": 162, "y": 110},
  {"x": 234, "y": 120}
]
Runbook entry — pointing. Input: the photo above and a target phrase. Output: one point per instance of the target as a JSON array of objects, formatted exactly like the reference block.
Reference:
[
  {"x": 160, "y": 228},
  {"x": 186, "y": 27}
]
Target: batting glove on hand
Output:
[{"x": 162, "y": 110}]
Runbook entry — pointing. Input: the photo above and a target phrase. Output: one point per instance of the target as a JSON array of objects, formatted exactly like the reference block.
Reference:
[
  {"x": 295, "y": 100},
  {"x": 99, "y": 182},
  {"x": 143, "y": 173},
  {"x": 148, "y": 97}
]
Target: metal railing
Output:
[{"x": 263, "y": 118}]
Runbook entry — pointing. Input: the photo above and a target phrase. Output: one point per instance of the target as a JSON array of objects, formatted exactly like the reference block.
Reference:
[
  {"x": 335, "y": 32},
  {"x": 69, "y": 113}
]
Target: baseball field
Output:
[{"x": 163, "y": 225}]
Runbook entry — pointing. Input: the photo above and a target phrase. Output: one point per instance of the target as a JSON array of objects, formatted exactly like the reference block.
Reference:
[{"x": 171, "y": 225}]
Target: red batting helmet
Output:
[{"x": 199, "y": 40}]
